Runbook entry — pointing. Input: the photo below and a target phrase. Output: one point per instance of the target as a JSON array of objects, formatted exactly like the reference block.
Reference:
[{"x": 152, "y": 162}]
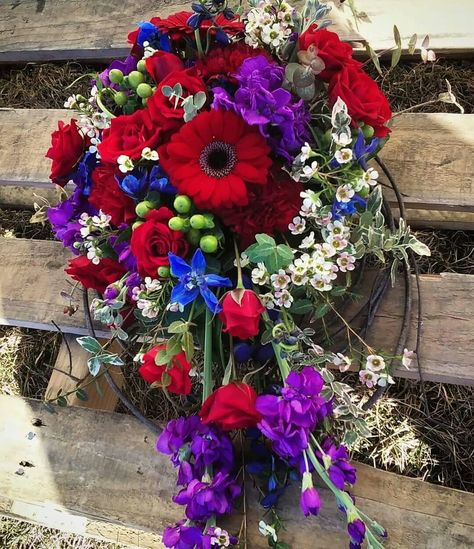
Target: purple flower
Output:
[
  {"x": 356, "y": 530},
  {"x": 302, "y": 390},
  {"x": 182, "y": 537},
  {"x": 177, "y": 434},
  {"x": 64, "y": 218},
  {"x": 340, "y": 469},
  {"x": 124, "y": 252},
  {"x": 206, "y": 499},
  {"x": 262, "y": 101},
  {"x": 128, "y": 65},
  {"x": 310, "y": 501},
  {"x": 218, "y": 537},
  {"x": 212, "y": 447}
]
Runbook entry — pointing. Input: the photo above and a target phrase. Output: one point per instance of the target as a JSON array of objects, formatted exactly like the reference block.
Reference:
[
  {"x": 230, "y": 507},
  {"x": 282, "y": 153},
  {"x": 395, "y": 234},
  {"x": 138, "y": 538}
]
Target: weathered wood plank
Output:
[
  {"x": 102, "y": 468},
  {"x": 54, "y": 30},
  {"x": 448, "y": 318},
  {"x": 430, "y": 156},
  {"x": 72, "y": 361}
]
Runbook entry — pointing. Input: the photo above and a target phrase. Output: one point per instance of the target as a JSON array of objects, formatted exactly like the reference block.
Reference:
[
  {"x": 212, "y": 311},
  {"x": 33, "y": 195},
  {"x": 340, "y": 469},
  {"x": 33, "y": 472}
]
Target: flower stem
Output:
[
  {"x": 240, "y": 283},
  {"x": 207, "y": 387},
  {"x": 197, "y": 36}
]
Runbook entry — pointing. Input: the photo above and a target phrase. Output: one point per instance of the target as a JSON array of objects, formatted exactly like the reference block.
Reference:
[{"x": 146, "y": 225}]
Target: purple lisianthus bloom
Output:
[
  {"x": 177, "y": 434},
  {"x": 310, "y": 501},
  {"x": 212, "y": 447},
  {"x": 206, "y": 499},
  {"x": 64, "y": 218},
  {"x": 340, "y": 470},
  {"x": 128, "y": 65},
  {"x": 356, "y": 530},
  {"x": 303, "y": 391},
  {"x": 182, "y": 537},
  {"x": 262, "y": 101}
]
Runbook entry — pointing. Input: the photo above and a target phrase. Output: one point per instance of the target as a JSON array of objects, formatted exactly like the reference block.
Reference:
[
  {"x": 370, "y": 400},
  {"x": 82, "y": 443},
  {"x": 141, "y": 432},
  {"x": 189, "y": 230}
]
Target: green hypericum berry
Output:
[
  {"x": 176, "y": 224},
  {"x": 209, "y": 220},
  {"x": 368, "y": 131},
  {"x": 163, "y": 272},
  {"x": 197, "y": 221},
  {"x": 208, "y": 244},
  {"x": 142, "y": 208},
  {"x": 116, "y": 76},
  {"x": 193, "y": 236},
  {"x": 120, "y": 99},
  {"x": 137, "y": 224},
  {"x": 135, "y": 78},
  {"x": 144, "y": 90},
  {"x": 182, "y": 204},
  {"x": 141, "y": 66}
]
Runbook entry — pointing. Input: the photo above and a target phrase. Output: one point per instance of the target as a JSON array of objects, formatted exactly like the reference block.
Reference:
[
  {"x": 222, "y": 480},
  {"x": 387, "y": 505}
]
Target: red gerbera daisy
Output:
[
  {"x": 176, "y": 25},
  {"x": 213, "y": 157}
]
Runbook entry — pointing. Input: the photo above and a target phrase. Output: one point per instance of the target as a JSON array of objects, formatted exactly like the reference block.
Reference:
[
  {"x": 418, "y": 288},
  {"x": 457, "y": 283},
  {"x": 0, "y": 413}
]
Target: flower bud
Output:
[
  {"x": 209, "y": 244},
  {"x": 176, "y": 224},
  {"x": 116, "y": 76},
  {"x": 197, "y": 221},
  {"x": 144, "y": 90},
  {"x": 120, "y": 99},
  {"x": 182, "y": 204},
  {"x": 135, "y": 78}
]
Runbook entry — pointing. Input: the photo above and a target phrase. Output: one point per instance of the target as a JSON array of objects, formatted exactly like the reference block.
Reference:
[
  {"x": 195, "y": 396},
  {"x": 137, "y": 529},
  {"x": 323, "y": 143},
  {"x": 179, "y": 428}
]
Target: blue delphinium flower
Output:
[
  {"x": 341, "y": 209},
  {"x": 140, "y": 182},
  {"x": 83, "y": 174},
  {"x": 362, "y": 150},
  {"x": 152, "y": 34},
  {"x": 194, "y": 282}
]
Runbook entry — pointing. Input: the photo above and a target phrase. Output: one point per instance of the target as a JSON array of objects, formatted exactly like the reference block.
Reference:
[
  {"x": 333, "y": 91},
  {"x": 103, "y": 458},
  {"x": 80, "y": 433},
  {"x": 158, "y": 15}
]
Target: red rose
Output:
[
  {"x": 97, "y": 277},
  {"x": 67, "y": 147},
  {"x": 178, "y": 372},
  {"x": 335, "y": 53},
  {"x": 364, "y": 99},
  {"x": 241, "y": 312},
  {"x": 161, "y": 63},
  {"x": 231, "y": 407},
  {"x": 106, "y": 195},
  {"x": 129, "y": 135},
  {"x": 164, "y": 108},
  {"x": 270, "y": 208},
  {"x": 152, "y": 241}
]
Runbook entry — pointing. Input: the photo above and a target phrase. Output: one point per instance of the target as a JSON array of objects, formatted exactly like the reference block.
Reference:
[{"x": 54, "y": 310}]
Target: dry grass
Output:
[
  {"x": 15, "y": 534},
  {"x": 17, "y": 223}
]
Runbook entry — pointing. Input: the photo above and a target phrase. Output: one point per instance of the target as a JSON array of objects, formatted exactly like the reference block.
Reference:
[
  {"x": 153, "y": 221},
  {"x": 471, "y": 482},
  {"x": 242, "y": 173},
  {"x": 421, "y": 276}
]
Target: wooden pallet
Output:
[
  {"x": 52, "y": 30},
  {"x": 436, "y": 177}
]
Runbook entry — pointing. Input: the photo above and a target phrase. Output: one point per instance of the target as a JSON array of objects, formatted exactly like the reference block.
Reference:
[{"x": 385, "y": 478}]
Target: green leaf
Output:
[
  {"x": 162, "y": 357},
  {"x": 90, "y": 344},
  {"x": 412, "y": 44},
  {"x": 418, "y": 247},
  {"x": 366, "y": 219},
  {"x": 321, "y": 310},
  {"x": 374, "y": 202},
  {"x": 301, "y": 307},
  {"x": 124, "y": 235},
  {"x": 263, "y": 238},
  {"x": 350, "y": 437},
  {"x": 200, "y": 100},
  {"x": 187, "y": 340},
  {"x": 113, "y": 359},
  {"x": 266, "y": 337},
  {"x": 82, "y": 395},
  {"x": 375, "y": 60},
  {"x": 94, "y": 366},
  {"x": 178, "y": 327},
  {"x": 396, "y": 55},
  {"x": 61, "y": 401},
  {"x": 173, "y": 345},
  {"x": 396, "y": 36}
]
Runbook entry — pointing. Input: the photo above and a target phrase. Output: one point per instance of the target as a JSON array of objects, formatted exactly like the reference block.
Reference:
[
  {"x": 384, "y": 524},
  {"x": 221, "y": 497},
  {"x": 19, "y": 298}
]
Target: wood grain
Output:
[
  {"x": 448, "y": 318},
  {"x": 430, "y": 156},
  {"x": 102, "y": 469},
  {"x": 72, "y": 361}
]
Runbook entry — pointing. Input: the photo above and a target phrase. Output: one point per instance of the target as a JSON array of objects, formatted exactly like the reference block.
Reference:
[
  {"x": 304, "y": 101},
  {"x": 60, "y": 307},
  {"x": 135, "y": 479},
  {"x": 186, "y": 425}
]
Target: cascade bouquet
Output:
[{"x": 222, "y": 206}]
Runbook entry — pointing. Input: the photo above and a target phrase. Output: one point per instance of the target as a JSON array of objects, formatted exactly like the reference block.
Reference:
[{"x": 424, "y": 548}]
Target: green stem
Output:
[
  {"x": 240, "y": 284},
  {"x": 101, "y": 105},
  {"x": 197, "y": 36},
  {"x": 207, "y": 388}
]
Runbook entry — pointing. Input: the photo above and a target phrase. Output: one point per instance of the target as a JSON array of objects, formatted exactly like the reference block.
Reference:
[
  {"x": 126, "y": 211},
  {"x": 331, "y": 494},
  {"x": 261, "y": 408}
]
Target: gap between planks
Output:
[
  {"x": 109, "y": 460},
  {"x": 448, "y": 315},
  {"x": 430, "y": 156}
]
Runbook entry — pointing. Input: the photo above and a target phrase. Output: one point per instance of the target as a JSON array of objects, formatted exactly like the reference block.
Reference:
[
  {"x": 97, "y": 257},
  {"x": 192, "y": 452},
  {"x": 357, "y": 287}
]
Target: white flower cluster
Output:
[
  {"x": 269, "y": 24},
  {"x": 91, "y": 226},
  {"x": 146, "y": 301}
]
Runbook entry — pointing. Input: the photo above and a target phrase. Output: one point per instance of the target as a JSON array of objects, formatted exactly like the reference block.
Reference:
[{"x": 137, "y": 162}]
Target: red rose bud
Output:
[
  {"x": 67, "y": 146},
  {"x": 241, "y": 312},
  {"x": 231, "y": 407},
  {"x": 161, "y": 63},
  {"x": 177, "y": 374}
]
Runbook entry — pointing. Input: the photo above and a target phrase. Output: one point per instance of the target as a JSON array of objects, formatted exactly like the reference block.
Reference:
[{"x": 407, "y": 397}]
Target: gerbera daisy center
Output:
[{"x": 218, "y": 159}]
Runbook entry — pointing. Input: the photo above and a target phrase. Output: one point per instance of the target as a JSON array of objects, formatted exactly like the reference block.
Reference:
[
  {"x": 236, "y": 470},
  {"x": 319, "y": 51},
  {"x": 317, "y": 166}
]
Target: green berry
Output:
[
  {"x": 144, "y": 90},
  {"x": 144, "y": 101},
  {"x": 182, "y": 204},
  {"x": 135, "y": 78},
  {"x": 137, "y": 224},
  {"x": 163, "y": 272},
  {"x": 368, "y": 131},
  {"x": 193, "y": 236},
  {"x": 141, "y": 66},
  {"x": 209, "y": 220},
  {"x": 142, "y": 208},
  {"x": 120, "y": 99},
  {"x": 208, "y": 244},
  {"x": 116, "y": 76},
  {"x": 176, "y": 224},
  {"x": 197, "y": 221}
]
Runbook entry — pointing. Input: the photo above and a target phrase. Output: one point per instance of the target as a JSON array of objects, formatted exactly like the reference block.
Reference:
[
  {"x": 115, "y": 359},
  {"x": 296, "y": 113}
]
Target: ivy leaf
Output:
[
  {"x": 109, "y": 358},
  {"x": 90, "y": 344},
  {"x": 418, "y": 247},
  {"x": 374, "y": 202},
  {"x": 94, "y": 365}
]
